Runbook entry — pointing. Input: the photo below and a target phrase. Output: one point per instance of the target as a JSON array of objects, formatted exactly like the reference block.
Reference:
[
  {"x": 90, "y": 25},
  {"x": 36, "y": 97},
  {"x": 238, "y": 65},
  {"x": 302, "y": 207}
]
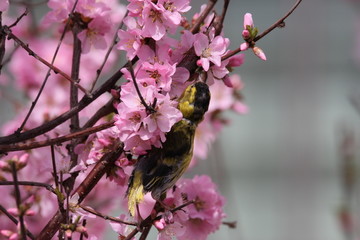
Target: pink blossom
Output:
[
  {"x": 205, "y": 135},
  {"x": 59, "y": 12},
  {"x": 221, "y": 97},
  {"x": 91, "y": 8},
  {"x": 138, "y": 128},
  {"x": 10, "y": 234},
  {"x": 169, "y": 231},
  {"x": 240, "y": 107},
  {"x": 244, "y": 46},
  {"x": 217, "y": 72},
  {"x": 135, "y": 7},
  {"x": 20, "y": 162},
  {"x": 185, "y": 43},
  {"x": 237, "y": 60},
  {"x": 206, "y": 214},
  {"x": 136, "y": 145},
  {"x": 209, "y": 51},
  {"x": 161, "y": 17},
  {"x": 95, "y": 147},
  {"x": 246, "y": 34},
  {"x": 179, "y": 82},
  {"x": 156, "y": 74},
  {"x": 15, "y": 212},
  {"x": 130, "y": 40},
  {"x": 260, "y": 53},
  {"x": 145, "y": 207},
  {"x": 94, "y": 34},
  {"x": 165, "y": 117},
  {"x": 154, "y": 22},
  {"x": 235, "y": 82},
  {"x": 173, "y": 6},
  {"x": 4, "y": 5},
  {"x": 122, "y": 229},
  {"x": 248, "y": 21}
]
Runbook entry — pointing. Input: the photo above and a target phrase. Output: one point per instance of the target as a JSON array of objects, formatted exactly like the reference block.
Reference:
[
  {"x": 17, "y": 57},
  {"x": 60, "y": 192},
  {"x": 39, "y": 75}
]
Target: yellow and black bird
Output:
[{"x": 160, "y": 168}]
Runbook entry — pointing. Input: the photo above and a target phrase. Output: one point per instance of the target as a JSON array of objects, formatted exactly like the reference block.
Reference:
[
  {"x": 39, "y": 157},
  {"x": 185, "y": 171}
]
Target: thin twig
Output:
[
  {"x": 55, "y": 141},
  {"x": 10, "y": 35},
  {"x": 2, "y": 43},
  {"x": 18, "y": 201},
  {"x": 99, "y": 170},
  {"x": 33, "y": 104},
  {"x": 230, "y": 224},
  {"x": 11, "y": 217},
  {"x": 182, "y": 206},
  {"x": 145, "y": 232},
  {"x": 149, "y": 109},
  {"x": 84, "y": 102},
  {"x": 132, "y": 234},
  {"x": 267, "y": 31},
  {"x": 74, "y": 95},
  {"x": 14, "y": 220},
  {"x": 56, "y": 179},
  {"x": 220, "y": 20},
  {"x": 113, "y": 219},
  {"x": 195, "y": 28},
  {"x": 278, "y": 23},
  {"x": 53, "y": 162},
  {"x": 82, "y": 234},
  {"x": 114, "y": 41},
  {"x": 101, "y": 112},
  {"x": 28, "y": 183},
  {"x": 19, "y": 18}
]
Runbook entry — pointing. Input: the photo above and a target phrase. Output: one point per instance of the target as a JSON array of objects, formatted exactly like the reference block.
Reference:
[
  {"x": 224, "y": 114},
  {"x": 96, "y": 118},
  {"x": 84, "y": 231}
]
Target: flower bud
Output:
[
  {"x": 248, "y": 21},
  {"x": 244, "y": 46},
  {"x": 259, "y": 52}
]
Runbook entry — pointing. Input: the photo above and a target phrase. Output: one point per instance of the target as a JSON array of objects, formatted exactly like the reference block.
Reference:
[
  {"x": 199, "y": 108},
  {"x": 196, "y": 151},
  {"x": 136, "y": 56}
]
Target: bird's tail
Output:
[{"x": 135, "y": 192}]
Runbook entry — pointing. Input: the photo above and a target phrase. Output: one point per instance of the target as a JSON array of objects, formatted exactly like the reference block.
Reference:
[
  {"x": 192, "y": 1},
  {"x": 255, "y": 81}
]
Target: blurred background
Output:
[{"x": 280, "y": 165}]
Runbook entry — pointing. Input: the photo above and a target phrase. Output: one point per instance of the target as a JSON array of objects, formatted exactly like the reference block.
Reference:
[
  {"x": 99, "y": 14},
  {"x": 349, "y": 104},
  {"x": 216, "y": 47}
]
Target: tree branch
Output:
[
  {"x": 14, "y": 220},
  {"x": 55, "y": 141},
  {"x": 113, "y": 219},
  {"x": 18, "y": 201},
  {"x": 84, "y": 102},
  {"x": 114, "y": 41},
  {"x": 10, "y": 35},
  {"x": 267, "y": 31},
  {"x": 33, "y": 104},
  {"x": 29, "y": 183},
  {"x": 99, "y": 170},
  {"x": 196, "y": 27}
]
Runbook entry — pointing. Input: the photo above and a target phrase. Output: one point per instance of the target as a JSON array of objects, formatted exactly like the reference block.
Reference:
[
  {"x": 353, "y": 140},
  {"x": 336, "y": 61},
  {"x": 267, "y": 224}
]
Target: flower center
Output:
[
  {"x": 169, "y": 6},
  {"x": 199, "y": 204},
  {"x": 155, "y": 15},
  {"x": 206, "y": 53},
  {"x": 155, "y": 75}
]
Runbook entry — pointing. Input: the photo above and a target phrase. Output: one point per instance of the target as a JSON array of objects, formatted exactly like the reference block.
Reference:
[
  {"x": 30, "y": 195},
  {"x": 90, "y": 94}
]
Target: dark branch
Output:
[
  {"x": 267, "y": 31},
  {"x": 14, "y": 220},
  {"x": 99, "y": 170},
  {"x": 84, "y": 102},
  {"x": 201, "y": 18},
  {"x": 113, "y": 219},
  {"x": 54, "y": 141},
  {"x": 18, "y": 201}
]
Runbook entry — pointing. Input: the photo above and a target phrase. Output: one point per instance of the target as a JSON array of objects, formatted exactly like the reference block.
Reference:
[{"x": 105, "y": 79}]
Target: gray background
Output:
[
  {"x": 278, "y": 165},
  {"x": 280, "y": 162}
]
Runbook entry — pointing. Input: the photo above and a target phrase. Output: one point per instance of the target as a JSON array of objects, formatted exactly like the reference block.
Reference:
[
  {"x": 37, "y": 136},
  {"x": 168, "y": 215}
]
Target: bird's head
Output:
[{"x": 194, "y": 101}]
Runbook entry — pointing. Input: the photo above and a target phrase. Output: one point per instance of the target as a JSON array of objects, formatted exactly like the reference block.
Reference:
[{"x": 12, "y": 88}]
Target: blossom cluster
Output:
[{"x": 144, "y": 110}]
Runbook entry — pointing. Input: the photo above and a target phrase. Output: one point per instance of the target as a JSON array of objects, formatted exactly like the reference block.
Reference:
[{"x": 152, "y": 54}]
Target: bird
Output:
[{"x": 159, "y": 169}]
